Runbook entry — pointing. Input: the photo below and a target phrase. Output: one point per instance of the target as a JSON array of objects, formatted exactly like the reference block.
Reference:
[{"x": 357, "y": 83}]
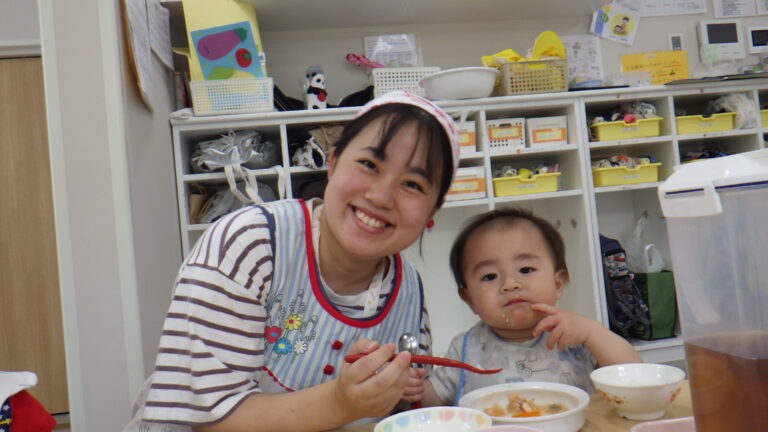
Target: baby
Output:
[{"x": 510, "y": 269}]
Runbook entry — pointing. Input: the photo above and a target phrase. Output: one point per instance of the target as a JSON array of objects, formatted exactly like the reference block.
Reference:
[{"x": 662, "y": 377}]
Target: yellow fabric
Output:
[{"x": 547, "y": 45}]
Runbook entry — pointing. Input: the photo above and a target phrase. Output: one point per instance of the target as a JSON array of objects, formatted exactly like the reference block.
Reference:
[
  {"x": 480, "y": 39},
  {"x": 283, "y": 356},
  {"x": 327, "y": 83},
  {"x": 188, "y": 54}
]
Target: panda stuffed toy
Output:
[{"x": 314, "y": 89}]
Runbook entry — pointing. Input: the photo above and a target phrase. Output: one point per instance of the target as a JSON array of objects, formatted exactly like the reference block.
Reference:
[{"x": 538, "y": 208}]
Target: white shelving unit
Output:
[{"x": 579, "y": 210}]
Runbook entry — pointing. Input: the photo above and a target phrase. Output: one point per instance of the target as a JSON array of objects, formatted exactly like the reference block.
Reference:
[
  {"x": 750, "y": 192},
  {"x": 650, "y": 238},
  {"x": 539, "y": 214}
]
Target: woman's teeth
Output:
[{"x": 371, "y": 222}]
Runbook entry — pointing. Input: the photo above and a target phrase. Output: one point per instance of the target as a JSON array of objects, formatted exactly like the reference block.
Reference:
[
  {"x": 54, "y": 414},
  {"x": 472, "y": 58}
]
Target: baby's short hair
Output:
[{"x": 508, "y": 216}]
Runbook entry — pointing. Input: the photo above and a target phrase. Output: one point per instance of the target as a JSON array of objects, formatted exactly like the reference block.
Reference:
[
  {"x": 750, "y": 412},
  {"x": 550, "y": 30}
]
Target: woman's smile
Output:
[{"x": 369, "y": 220}]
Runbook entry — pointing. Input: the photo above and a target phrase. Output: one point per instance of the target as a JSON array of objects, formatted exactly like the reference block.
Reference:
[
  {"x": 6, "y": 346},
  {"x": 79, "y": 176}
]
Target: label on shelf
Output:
[{"x": 467, "y": 138}]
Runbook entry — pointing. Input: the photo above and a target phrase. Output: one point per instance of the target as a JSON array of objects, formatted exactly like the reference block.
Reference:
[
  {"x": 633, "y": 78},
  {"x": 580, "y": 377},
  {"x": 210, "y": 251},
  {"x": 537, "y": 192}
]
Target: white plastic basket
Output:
[
  {"x": 506, "y": 134},
  {"x": 405, "y": 79},
  {"x": 232, "y": 96}
]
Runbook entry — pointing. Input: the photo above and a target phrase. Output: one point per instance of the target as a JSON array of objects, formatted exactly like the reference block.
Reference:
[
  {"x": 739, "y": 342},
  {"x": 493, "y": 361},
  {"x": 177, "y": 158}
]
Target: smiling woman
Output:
[{"x": 273, "y": 296}]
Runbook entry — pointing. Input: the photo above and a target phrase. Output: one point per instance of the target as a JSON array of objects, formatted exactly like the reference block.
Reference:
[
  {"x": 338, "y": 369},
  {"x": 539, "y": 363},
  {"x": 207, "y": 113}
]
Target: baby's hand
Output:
[
  {"x": 414, "y": 389},
  {"x": 565, "y": 328},
  {"x": 371, "y": 386}
]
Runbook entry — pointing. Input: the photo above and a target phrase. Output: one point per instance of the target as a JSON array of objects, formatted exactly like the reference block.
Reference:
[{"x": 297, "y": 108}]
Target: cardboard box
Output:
[
  {"x": 547, "y": 131},
  {"x": 469, "y": 183}
]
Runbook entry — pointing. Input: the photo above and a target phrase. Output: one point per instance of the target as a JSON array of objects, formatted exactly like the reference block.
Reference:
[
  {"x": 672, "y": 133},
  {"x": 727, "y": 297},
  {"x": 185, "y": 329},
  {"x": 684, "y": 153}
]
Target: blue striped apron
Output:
[{"x": 306, "y": 337}]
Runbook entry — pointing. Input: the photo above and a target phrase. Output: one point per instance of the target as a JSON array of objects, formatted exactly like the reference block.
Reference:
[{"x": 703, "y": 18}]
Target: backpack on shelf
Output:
[{"x": 627, "y": 311}]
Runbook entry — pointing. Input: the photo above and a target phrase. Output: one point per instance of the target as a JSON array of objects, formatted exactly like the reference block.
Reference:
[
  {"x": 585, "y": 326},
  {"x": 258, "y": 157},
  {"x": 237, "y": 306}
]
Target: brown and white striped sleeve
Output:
[{"x": 213, "y": 336}]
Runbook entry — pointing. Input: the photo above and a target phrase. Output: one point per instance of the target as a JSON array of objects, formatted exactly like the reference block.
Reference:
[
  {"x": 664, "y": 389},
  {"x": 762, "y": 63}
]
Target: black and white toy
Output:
[{"x": 314, "y": 89}]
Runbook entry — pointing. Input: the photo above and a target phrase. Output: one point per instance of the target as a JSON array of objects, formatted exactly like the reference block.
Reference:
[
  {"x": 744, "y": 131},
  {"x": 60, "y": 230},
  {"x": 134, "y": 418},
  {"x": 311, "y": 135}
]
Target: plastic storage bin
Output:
[
  {"x": 506, "y": 134},
  {"x": 405, "y": 79},
  {"x": 232, "y": 96},
  {"x": 469, "y": 183},
  {"x": 764, "y": 115},
  {"x": 517, "y": 185},
  {"x": 544, "y": 131},
  {"x": 620, "y": 175},
  {"x": 535, "y": 76},
  {"x": 468, "y": 138},
  {"x": 693, "y": 124},
  {"x": 618, "y": 130}
]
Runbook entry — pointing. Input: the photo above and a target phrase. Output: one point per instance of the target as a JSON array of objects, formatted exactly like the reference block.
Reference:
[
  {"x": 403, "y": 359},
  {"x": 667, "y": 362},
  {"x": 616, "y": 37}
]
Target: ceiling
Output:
[{"x": 286, "y": 15}]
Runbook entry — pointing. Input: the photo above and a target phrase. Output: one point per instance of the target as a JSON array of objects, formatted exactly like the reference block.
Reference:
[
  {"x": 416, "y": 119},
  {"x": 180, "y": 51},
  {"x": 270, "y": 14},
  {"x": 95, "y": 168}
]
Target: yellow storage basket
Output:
[
  {"x": 620, "y": 175},
  {"x": 694, "y": 124},
  {"x": 517, "y": 185},
  {"x": 764, "y": 114},
  {"x": 533, "y": 76},
  {"x": 618, "y": 130}
]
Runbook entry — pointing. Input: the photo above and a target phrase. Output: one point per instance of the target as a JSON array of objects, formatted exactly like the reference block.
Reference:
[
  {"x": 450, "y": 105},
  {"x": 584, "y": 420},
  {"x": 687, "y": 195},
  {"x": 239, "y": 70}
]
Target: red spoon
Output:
[{"x": 438, "y": 361}]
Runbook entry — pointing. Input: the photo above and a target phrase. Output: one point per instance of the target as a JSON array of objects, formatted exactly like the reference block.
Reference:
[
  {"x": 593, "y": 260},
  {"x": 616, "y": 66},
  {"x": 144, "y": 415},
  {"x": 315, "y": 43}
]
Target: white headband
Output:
[{"x": 437, "y": 113}]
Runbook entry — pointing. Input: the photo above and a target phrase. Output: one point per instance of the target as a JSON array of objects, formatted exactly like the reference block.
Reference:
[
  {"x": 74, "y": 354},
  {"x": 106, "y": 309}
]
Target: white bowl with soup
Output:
[{"x": 549, "y": 407}]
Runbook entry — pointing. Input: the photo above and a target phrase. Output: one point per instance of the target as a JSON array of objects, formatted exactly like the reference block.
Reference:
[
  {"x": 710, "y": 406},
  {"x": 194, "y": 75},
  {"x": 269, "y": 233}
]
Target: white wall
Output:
[
  {"x": 18, "y": 21},
  {"x": 114, "y": 203}
]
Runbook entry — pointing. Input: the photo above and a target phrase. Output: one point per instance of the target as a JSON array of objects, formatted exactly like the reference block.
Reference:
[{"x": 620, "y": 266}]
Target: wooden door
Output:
[{"x": 31, "y": 336}]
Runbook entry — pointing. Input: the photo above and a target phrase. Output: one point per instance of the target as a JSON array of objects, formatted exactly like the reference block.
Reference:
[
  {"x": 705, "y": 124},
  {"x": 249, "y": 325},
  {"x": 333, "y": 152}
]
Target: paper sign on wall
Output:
[
  {"x": 224, "y": 40},
  {"x": 617, "y": 21},
  {"x": 664, "y": 66},
  {"x": 585, "y": 61}
]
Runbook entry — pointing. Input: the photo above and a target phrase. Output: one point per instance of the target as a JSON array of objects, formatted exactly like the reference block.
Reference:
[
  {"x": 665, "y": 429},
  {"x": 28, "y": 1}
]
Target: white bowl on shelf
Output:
[
  {"x": 460, "y": 83},
  {"x": 639, "y": 391},
  {"x": 572, "y": 398}
]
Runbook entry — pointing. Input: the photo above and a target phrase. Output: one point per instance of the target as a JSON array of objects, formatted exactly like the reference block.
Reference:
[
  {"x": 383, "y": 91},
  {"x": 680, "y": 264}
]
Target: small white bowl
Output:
[
  {"x": 639, "y": 391},
  {"x": 573, "y": 398},
  {"x": 460, "y": 83},
  {"x": 435, "y": 419}
]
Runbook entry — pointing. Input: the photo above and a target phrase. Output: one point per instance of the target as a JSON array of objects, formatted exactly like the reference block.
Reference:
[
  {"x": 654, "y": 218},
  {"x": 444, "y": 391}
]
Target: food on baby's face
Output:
[{"x": 519, "y": 406}]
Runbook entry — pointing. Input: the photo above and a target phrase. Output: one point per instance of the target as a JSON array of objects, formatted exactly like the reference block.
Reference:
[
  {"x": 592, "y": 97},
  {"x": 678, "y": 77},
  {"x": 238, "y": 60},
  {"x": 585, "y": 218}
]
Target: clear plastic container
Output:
[{"x": 717, "y": 218}]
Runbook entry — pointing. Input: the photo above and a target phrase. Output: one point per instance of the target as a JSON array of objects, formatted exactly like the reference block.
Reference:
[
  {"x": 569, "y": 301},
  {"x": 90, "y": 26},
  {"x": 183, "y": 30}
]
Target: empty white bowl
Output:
[
  {"x": 542, "y": 393},
  {"x": 460, "y": 83},
  {"x": 435, "y": 419},
  {"x": 639, "y": 391}
]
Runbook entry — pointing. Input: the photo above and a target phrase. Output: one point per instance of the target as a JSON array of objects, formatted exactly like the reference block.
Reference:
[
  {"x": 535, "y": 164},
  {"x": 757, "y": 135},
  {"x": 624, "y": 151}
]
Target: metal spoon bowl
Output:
[{"x": 408, "y": 342}]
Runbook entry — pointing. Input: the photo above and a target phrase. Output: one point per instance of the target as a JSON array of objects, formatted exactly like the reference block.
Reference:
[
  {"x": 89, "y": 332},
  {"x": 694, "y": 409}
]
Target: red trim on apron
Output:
[
  {"x": 366, "y": 323},
  {"x": 274, "y": 378}
]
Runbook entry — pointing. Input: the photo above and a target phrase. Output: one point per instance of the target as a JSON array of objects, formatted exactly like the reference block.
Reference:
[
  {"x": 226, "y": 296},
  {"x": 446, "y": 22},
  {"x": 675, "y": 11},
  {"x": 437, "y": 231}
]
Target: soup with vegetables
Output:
[{"x": 518, "y": 406}]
